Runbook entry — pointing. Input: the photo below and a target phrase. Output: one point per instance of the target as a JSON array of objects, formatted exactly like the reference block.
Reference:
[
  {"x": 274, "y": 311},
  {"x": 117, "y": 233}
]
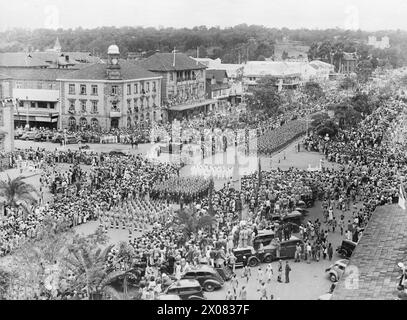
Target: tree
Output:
[
  {"x": 265, "y": 96},
  {"x": 319, "y": 119},
  {"x": 88, "y": 265},
  {"x": 313, "y": 90},
  {"x": 361, "y": 103},
  {"x": 189, "y": 222},
  {"x": 347, "y": 83},
  {"x": 364, "y": 70},
  {"x": 17, "y": 193}
]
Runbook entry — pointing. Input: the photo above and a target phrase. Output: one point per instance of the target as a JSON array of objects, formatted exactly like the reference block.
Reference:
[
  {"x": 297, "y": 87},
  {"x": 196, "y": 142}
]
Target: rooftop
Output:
[
  {"x": 97, "y": 71},
  {"x": 20, "y": 59},
  {"x": 165, "y": 62},
  {"x": 219, "y": 75},
  {"x": 381, "y": 247},
  {"x": 46, "y": 74}
]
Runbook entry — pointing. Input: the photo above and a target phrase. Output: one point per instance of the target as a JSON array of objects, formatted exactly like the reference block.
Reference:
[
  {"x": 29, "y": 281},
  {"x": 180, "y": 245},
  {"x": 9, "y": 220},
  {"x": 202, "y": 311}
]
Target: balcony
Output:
[{"x": 115, "y": 114}]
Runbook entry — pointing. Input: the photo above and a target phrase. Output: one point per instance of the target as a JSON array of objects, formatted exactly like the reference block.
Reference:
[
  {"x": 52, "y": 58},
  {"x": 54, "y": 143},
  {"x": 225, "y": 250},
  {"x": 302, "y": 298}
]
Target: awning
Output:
[{"x": 192, "y": 105}]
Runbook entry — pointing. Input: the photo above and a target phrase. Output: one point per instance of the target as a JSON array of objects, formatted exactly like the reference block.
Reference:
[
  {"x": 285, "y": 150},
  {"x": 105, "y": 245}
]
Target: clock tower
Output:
[{"x": 113, "y": 68}]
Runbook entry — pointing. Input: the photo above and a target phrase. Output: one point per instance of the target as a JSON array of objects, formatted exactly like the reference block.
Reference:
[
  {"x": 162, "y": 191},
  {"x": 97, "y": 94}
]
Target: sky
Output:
[{"x": 369, "y": 15}]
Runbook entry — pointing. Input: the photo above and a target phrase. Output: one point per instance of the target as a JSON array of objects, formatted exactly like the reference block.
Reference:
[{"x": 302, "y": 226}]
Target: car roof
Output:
[
  {"x": 185, "y": 283},
  {"x": 203, "y": 267}
]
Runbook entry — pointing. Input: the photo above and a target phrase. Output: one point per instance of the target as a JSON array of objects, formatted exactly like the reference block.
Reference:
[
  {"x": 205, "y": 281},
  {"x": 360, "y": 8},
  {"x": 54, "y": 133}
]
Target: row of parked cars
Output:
[{"x": 54, "y": 136}]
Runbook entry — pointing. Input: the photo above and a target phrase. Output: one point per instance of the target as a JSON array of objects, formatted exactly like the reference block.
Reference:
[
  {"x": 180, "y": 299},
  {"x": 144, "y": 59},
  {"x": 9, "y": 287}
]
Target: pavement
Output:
[{"x": 307, "y": 281}]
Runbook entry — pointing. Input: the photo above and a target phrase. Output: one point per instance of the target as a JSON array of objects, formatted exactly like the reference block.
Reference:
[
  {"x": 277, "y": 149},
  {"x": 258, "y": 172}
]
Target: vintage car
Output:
[
  {"x": 265, "y": 237},
  {"x": 287, "y": 249},
  {"x": 208, "y": 277},
  {"x": 186, "y": 289},
  {"x": 249, "y": 256},
  {"x": 345, "y": 250},
  {"x": 337, "y": 269}
]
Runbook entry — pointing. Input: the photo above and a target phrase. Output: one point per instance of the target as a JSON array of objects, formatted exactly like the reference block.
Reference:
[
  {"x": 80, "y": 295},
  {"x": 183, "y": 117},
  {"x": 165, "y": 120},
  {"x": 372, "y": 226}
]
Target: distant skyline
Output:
[{"x": 368, "y": 15}]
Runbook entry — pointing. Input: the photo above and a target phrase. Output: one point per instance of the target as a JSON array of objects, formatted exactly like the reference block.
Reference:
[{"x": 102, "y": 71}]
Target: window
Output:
[
  {"x": 94, "y": 106},
  {"x": 115, "y": 90},
  {"x": 171, "y": 76},
  {"x": 136, "y": 88},
  {"x": 72, "y": 122},
  {"x": 19, "y": 84},
  {"x": 129, "y": 89},
  {"x": 94, "y": 123},
  {"x": 94, "y": 90},
  {"x": 21, "y": 104},
  {"x": 129, "y": 104},
  {"x": 39, "y": 85},
  {"x": 83, "y": 89},
  {"x": 33, "y": 105},
  {"x": 142, "y": 88},
  {"x": 71, "y": 89},
  {"x": 148, "y": 87},
  {"x": 71, "y": 106},
  {"x": 154, "y": 87},
  {"x": 83, "y": 122},
  {"x": 83, "y": 105}
]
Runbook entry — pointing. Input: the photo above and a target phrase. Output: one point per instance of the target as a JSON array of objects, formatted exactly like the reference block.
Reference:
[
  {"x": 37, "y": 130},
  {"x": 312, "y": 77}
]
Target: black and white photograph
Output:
[{"x": 221, "y": 151}]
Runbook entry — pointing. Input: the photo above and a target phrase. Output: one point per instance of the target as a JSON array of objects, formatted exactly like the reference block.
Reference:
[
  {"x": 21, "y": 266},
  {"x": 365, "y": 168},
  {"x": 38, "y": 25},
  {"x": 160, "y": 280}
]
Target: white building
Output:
[{"x": 384, "y": 43}]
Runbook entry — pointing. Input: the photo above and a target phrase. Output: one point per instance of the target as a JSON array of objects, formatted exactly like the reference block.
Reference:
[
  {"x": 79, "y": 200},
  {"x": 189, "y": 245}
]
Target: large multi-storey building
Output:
[
  {"x": 35, "y": 92},
  {"x": 183, "y": 85},
  {"x": 118, "y": 94}
]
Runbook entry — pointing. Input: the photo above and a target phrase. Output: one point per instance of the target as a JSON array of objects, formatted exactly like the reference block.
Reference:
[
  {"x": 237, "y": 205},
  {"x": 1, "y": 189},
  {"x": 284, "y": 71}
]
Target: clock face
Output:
[{"x": 114, "y": 61}]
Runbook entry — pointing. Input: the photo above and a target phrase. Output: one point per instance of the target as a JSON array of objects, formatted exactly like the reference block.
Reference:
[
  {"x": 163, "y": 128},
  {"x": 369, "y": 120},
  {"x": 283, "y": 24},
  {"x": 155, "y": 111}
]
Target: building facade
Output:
[
  {"x": 119, "y": 94},
  {"x": 36, "y": 94},
  {"x": 6, "y": 126},
  {"x": 183, "y": 84}
]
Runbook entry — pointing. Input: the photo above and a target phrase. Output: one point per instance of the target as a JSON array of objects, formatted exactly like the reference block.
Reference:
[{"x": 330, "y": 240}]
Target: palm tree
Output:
[
  {"x": 18, "y": 192},
  {"x": 190, "y": 223},
  {"x": 88, "y": 266}
]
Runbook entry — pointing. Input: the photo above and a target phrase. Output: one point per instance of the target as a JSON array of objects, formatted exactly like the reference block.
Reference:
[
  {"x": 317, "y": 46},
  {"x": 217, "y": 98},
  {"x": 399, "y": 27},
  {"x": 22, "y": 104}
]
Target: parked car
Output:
[
  {"x": 345, "y": 250},
  {"x": 30, "y": 135},
  {"x": 287, "y": 248},
  {"x": 18, "y": 133},
  {"x": 208, "y": 277},
  {"x": 116, "y": 153},
  {"x": 265, "y": 237},
  {"x": 337, "y": 269},
  {"x": 186, "y": 289},
  {"x": 251, "y": 257},
  {"x": 57, "y": 138},
  {"x": 71, "y": 140}
]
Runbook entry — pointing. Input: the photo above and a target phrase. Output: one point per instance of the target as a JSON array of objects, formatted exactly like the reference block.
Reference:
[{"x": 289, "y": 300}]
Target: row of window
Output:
[
  {"x": 83, "y": 122},
  {"x": 114, "y": 89},
  {"x": 94, "y": 104},
  {"x": 36, "y": 85},
  {"x": 83, "y": 104},
  {"x": 143, "y": 88}
]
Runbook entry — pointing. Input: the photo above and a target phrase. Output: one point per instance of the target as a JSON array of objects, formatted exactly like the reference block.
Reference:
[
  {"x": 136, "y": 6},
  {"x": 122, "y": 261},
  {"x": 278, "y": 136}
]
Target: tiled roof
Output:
[
  {"x": 97, "y": 71},
  {"x": 33, "y": 73},
  {"x": 219, "y": 75},
  {"x": 20, "y": 59},
  {"x": 74, "y": 57},
  {"x": 165, "y": 62},
  {"x": 381, "y": 247}
]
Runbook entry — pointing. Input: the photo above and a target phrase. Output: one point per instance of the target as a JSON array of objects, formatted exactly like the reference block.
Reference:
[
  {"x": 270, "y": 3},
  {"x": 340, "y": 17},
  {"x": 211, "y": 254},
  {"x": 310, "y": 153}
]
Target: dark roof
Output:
[
  {"x": 34, "y": 74},
  {"x": 381, "y": 247},
  {"x": 74, "y": 57},
  {"x": 164, "y": 62},
  {"x": 219, "y": 75},
  {"x": 20, "y": 59},
  {"x": 97, "y": 71}
]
